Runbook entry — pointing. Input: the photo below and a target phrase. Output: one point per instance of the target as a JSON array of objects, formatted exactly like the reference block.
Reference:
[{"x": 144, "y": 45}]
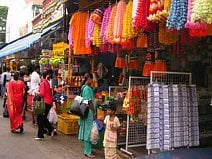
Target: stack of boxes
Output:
[
  {"x": 184, "y": 109},
  {"x": 172, "y": 119},
  {"x": 165, "y": 122},
  {"x": 194, "y": 121},
  {"x": 153, "y": 114}
]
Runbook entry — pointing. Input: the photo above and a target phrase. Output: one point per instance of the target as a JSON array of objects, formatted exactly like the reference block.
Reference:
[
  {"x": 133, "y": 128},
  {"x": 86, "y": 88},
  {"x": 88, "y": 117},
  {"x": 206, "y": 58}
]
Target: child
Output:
[{"x": 110, "y": 139}]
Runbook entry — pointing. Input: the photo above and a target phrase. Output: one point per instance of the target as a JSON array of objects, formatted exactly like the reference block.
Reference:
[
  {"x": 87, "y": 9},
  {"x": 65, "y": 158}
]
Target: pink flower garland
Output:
[
  {"x": 89, "y": 32},
  {"x": 105, "y": 22}
]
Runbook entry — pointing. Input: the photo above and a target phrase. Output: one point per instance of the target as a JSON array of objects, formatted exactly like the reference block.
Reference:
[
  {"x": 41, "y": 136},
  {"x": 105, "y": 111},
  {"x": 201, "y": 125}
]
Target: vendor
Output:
[{"x": 102, "y": 86}]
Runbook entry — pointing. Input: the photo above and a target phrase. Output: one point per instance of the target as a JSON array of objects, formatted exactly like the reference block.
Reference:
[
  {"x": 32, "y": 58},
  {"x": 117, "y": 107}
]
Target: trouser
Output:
[
  {"x": 87, "y": 147},
  {"x": 43, "y": 122}
]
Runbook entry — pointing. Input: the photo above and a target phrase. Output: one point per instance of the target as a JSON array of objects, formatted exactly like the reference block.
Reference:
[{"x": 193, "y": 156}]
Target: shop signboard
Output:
[{"x": 59, "y": 49}]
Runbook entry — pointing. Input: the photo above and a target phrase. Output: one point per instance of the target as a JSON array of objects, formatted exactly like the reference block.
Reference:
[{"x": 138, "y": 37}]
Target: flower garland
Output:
[
  {"x": 155, "y": 11},
  {"x": 118, "y": 24},
  {"x": 178, "y": 14},
  {"x": 105, "y": 22},
  {"x": 128, "y": 31},
  {"x": 195, "y": 28},
  {"x": 202, "y": 11},
  {"x": 142, "y": 12},
  {"x": 89, "y": 32},
  {"x": 109, "y": 31},
  {"x": 97, "y": 40}
]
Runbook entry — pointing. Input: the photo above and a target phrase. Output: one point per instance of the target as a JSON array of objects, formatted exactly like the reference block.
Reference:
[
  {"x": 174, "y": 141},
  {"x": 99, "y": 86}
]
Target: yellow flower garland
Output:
[{"x": 128, "y": 32}]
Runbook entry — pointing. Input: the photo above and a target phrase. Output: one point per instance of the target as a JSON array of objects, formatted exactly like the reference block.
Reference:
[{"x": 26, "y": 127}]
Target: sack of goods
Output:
[
  {"x": 39, "y": 106},
  {"x": 80, "y": 107}
]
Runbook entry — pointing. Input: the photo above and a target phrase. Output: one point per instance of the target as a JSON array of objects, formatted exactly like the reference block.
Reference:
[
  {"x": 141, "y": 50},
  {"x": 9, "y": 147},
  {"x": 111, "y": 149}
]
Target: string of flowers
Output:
[
  {"x": 178, "y": 14},
  {"x": 128, "y": 32},
  {"x": 105, "y": 22}
]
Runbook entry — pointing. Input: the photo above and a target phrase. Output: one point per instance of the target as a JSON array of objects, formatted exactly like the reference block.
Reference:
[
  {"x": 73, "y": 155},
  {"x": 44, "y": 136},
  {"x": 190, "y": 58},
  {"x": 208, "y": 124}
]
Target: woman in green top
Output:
[{"x": 87, "y": 123}]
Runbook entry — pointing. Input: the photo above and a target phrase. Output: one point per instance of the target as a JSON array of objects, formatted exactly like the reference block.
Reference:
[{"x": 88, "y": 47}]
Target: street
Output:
[{"x": 17, "y": 146}]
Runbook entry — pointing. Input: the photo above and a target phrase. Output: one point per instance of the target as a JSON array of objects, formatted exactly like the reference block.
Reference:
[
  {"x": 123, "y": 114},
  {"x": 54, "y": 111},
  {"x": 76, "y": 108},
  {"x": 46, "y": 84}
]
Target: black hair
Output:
[
  {"x": 36, "y": 67},
  {"x": 16, "y": 76},
  {"x": 86, "y": 77},
  {"x": 44, "y": 74},
  {"x": 22, "y": 73},
  {"x": 111, "y": 106}
]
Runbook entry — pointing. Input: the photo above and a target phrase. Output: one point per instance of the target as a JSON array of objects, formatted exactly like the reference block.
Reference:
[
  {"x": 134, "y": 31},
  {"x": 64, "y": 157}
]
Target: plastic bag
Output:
[
  {"x": 52, "y": 116},
  {"x": 99, "y": 125},
  {"x": 94, "y": 134}
]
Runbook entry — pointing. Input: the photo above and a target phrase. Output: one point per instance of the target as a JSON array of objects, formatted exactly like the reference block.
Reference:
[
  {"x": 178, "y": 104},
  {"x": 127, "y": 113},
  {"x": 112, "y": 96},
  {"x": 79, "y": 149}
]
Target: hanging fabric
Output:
[
  {"x": 78, "y": 29},
  {"x": 166, "y": 36}
]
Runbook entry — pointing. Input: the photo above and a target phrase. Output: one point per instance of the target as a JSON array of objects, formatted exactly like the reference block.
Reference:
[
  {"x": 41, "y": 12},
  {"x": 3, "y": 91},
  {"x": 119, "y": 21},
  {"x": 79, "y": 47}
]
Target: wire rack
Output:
[
  {"x": 170, "y": 77},
  {"x": 136, "y": 125}
]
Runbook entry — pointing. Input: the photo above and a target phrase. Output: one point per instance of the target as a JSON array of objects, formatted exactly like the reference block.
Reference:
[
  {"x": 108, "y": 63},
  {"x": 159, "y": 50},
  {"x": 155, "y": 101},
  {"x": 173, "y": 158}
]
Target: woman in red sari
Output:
[{"x": 15, "y": 96}]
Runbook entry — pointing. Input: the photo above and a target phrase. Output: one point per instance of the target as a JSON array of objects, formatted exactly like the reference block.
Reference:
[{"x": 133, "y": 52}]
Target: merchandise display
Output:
[{"x": 172, "y": 119}]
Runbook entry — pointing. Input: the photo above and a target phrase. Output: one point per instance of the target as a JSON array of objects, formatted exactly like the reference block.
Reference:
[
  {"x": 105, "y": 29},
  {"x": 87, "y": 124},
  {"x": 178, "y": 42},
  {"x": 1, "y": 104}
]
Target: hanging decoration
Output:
[
  {"x": 118, "y": 23},
  {"x": 104, "y": 25},
  {"x": 155, "y": 11},
  {"x": 140, "y": 19},
  {"x": 97, "y": 40},
  {"x": 178, "y": 14},
  {"x": 166, "y": 36},
  {"x": 89, "y": 32},
  {"x": 129, "y": 31},
  {"x": 110, "y": 27},
  {"x": 202, "y": 11}
]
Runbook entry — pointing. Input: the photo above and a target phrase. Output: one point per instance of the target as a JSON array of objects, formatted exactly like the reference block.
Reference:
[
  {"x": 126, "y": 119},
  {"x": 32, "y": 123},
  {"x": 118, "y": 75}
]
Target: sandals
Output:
[{"x": 90, "y": 156}]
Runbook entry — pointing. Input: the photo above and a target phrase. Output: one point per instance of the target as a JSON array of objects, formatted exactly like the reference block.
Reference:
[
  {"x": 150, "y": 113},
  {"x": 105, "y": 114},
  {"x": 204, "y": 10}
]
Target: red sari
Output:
[{"x": 15, "y": 99}]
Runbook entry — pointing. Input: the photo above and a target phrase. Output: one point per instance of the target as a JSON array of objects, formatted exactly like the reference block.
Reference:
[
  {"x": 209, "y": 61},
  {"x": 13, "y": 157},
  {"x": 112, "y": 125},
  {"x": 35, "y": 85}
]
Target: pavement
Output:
[{"x": 17, "y": 146}]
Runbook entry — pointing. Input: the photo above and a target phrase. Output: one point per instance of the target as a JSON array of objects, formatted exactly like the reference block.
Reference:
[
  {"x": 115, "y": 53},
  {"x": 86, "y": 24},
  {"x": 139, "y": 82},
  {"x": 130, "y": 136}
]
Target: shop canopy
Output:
[{"x": 23, "y": 43}]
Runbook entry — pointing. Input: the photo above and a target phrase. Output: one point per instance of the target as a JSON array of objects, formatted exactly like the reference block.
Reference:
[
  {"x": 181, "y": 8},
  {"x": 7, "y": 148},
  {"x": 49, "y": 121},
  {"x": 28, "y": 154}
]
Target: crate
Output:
[{"x": 68, "y": 124}]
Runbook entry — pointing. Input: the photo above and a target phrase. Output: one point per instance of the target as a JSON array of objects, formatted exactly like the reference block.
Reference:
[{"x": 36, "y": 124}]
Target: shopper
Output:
[
  {"x": 42, "y": 121},
  {"x": 34, "y": 85},
  {"x": 35, "y": 80},
  {"x": 110, "y": 138},
  {"x": 5, "y": 78},
  {"x": 15, "y": 95},
  {"x": 86, "y": 123}
]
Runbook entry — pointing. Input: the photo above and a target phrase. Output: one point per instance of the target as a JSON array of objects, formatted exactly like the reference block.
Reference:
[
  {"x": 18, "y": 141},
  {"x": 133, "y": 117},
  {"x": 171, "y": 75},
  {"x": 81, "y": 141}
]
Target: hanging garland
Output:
[
  {"x": 97, "y": 40},
  {"x": 105, "y": 22},
  {"x": 128, "y": 31},
  {"x": 178, "y": 14},
  {"x": 109, "y": 31}
]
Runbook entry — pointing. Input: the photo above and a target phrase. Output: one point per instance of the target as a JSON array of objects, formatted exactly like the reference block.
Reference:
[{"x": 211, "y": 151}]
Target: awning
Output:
[
  {"x": 20, "y": 44},
  {"x": 24, "y": 43}
]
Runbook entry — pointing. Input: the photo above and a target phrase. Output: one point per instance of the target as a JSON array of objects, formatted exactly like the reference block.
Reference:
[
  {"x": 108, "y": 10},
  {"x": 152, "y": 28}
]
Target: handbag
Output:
[
  {"x": 79, "y": 106},
  {"x": 39, "y": 108}
]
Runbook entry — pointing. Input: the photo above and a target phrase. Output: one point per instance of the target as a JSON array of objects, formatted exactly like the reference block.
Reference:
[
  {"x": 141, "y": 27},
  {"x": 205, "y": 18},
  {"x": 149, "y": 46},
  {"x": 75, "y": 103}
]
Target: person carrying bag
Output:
[{"x": 86, "y": 124}]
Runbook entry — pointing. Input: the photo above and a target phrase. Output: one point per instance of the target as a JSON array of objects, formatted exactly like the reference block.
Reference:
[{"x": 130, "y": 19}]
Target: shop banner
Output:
[{"x": 59, "y": 49}]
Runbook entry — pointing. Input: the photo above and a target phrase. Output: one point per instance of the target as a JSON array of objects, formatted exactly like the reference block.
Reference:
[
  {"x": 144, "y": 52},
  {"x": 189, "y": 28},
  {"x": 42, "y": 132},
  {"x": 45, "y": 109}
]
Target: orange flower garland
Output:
[{"x": 109, "y": 31}]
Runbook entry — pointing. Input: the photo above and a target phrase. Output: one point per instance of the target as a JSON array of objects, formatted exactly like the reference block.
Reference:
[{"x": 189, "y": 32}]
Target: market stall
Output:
[{"x": 140, "y": 37}]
